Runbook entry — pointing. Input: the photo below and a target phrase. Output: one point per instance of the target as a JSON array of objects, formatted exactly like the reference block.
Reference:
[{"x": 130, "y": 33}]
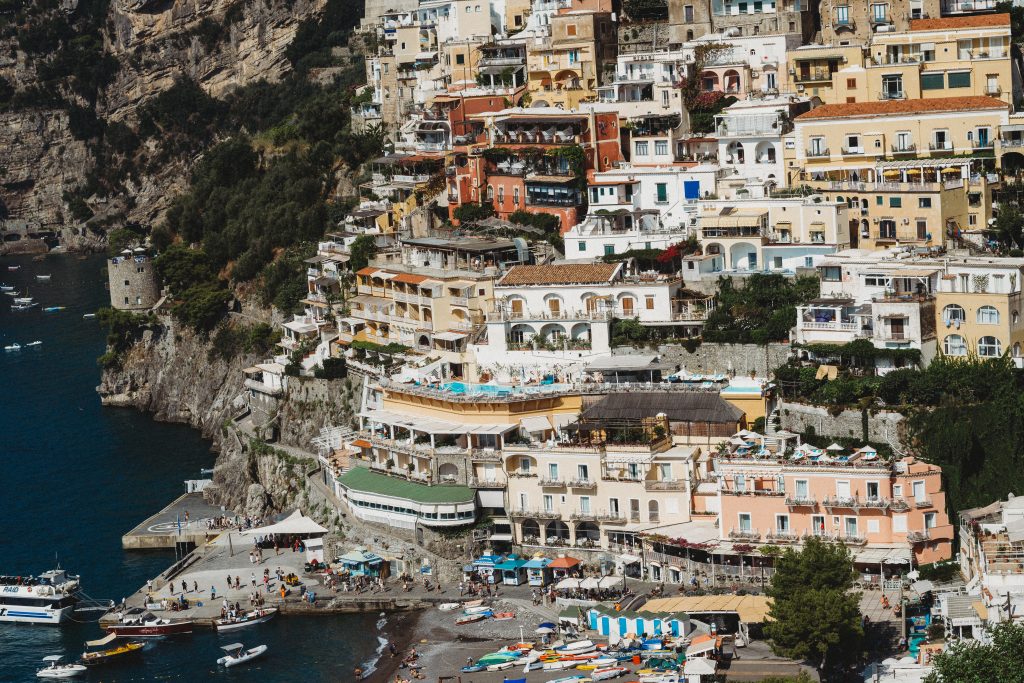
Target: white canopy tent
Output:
[{"x": 295, "y": 524}]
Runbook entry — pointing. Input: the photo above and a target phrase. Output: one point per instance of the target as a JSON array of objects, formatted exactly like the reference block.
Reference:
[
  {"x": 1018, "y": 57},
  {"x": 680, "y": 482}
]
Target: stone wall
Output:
[
  {"x": 710, "y": 358},
  {"x": 883, "y": 427}
]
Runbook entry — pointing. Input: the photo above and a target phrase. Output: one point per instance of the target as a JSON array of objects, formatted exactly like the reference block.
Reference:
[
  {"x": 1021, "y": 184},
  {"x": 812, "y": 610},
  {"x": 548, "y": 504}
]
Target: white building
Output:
[
  {"x": 992, "y": 552},
  {"x": 750, "y": 138}
]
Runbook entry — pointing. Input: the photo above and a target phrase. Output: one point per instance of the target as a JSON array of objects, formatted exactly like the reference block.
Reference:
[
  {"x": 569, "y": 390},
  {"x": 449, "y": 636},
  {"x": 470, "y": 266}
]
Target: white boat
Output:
[
  {"x": 501, "y": 666},
  {"x": 237, "y": 654},
  {"x": 53, "y": 309},
  {"x": 23, "y": 307},
  {"x": 449, "y": 606},
  {"x": 88, "y": 315},
  {"x": 13, "y": 347},
  {"x": 43, "y": 278},
  {"x": 58, "y": 670},
  {"x": 568, "y": 679},
  {"x": 251, "y": 618},
  {"x": 12, "y": 292},
  {"x": 34, "y": 343},
  {"x": 23, "y": 300},
  {"x": 6, "y": 288},
  {"x": 576, "y": 647},
  {"x": 559, "y": 665},
  {"x": 45, "y": 599},
  {"x": 479, "y": 609},
  {"x": 608, "y": 674},
  {"x": 13, "y": 267}
]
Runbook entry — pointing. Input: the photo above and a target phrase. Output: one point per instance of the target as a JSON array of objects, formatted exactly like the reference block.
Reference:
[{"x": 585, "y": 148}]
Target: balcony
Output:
[
  {"x": 582, "y": 484},
  {"x": 476, "y": 483},
  {"x": 918, "y": 536},
  {"x": 923, "y": 503},
  {"x": 744, "y": 535},
  {"x": 844, "y": 25},
  {"x": 801, "y": 501},
  {"x": 478, "y": 455},
  {"x": 549, "y": 483},
  {"x": 782, "y": 537},
  {"x": 983, "y": 144},
  {"x": 523, "y": 513},
  {"x": 993, "y": 90},
  {"x": 852, "y": 539},
  {"x": 818, "y": 153},
  {"x": 852, "y": 151},
  {"x": 553, "y": 200},
  {"x": 899, "y": 505},
  {"x": 903, "y": 149},
  {"x": 892, "y": 95},
  {"x": 595, "y": 516},
  {"x": 665, "y": 485},
  {"x": 813, "y": 76},
  {"x": 945, "y": 146},
  {"x": 841, "y": 502}
]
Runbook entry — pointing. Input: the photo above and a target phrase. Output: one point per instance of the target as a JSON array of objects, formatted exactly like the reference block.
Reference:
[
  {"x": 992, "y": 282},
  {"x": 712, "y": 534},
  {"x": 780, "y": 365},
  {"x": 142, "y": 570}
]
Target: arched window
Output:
[
  {"x": 953, "y": 313},
  {"x": 988, "y": 315},
  {"x": 652, "y": 511},
  {"x": 989, "y": 347},
  {"x": 490, "y": 193},
  {"x": 1016, "y": 349},
  {"x": 1015, "y": 317},
  {"x": 954, "y": 345}
]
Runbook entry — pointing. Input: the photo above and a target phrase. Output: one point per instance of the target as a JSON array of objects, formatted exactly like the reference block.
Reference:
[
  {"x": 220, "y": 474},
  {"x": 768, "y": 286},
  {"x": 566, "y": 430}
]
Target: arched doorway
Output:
[
  {"x": 448, "y": 472},
  {"x": 557, "y": 533},
  {"x": 587, "y": 535},
  {"x": 531, "y": 531}
]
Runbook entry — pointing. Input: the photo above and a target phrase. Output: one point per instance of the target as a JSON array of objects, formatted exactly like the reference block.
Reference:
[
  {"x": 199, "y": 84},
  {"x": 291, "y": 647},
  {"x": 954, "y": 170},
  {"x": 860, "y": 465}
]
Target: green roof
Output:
[{"x": 362, "y": 479}]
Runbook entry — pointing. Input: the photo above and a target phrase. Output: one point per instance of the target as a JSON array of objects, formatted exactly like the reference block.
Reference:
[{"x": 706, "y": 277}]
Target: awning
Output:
[
  {"x": 629, "y": 559},
  {"x": 609, "y": 581},
  {"x": 567, "y": 583},
  {"x": 701, "y": 648},
  {"x": 450, "y": 336},
  {"x": 561, "y": 562},
  {"x": 589, "y": 583},
  {"x": 420, "y": 56},
  {"x": 536, "y": 423},
  {"x": 384, "y": 275},
  {"x": 699, "y": 666},
  {"x": 295, "y": 523},
  {"x": 562, "y": 420}
]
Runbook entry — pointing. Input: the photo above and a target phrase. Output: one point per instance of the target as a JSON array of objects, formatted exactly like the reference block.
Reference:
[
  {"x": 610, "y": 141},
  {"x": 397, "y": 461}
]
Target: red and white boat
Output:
[{"x": 147, "y": 625}]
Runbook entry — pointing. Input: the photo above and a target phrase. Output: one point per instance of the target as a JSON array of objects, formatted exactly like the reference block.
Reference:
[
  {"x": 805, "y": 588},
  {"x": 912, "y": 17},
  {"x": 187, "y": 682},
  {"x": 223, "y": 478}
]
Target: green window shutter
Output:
[
  {"x": 662, "y": 192},
  {"x": 934, "y": 81},
  {"x": 895, "y": 202},
  {"x": 961, "y": 79}
]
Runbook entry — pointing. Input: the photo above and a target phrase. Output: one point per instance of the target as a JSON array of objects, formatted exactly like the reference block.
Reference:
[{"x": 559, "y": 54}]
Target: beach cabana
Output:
[
  {"x": 538, "y": 572},
  {"x": 612, "y": 624},
  {"x": 359, "y": 562},
  {"x": 484, "y": 566},
  {"x": 512, "y": 571},
  {"x": 564, "y": 566}
]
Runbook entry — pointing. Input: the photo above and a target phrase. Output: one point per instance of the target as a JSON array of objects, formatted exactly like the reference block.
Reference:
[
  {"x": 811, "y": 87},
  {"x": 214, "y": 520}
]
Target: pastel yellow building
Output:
[
  {"x": 834, "y": 74},
  {"x": 565, "y": 69},
  {"x": 979, "y": 306}
]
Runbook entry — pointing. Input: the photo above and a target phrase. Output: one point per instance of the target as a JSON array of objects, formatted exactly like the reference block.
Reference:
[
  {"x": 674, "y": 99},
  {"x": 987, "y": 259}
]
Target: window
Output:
[
  {"x": 887, "y": 229},
  {"x": 524, "y": 464},
  {"x": 895, "y": 202},
  {"x": 832, "y": 274},
  {"x": 688, "y": 16},
  {"x": 892, "y": 86},
  {"x": 953, "y": 313},
  {"x": 801, "y": 489},
  {"x": 782, "y": 524},
  {"x": 613, "y": 506},
  {"x": 744, "y": 519},
  {"x": 920, "y": 494},
  {"x": 924, "y": 202},
  {"x": 490, "y": 193},
  {"x": 583, "y": 472},
  {"x": 879, "y": 12},
  {"x": 649, "y": 302},
  {"x": 609, "y": 249},
  {"x": 954, "y": 345},
  {"x": 739, "y": 483},
  {"x": 661, "y": 147},
  {"x": 664, "y": 98},
  {"x": 662, "y": 192},
  {"x": 871, "y": 490},
  {"x": 460, "y": 59},
  {"x": 641, "y": 148},
  {"x": 879, "y": 200},
  {"x": 842, "y": 16},
  {"x": 585, "y": 504},
  {"x": 582, "y": 245},
  {"x": 960, "y": 79},
  {"x": 515, "y": 196},
  {"x": 876, "y": 281},
  {"x": 930, "y": 519},
  {"x": 126, "y": 283},
  {"x": 549, "y": 502},
  {"x": 574, "y": 56},
  {"x": 553, "y": 471},
  {"x": 988, "y": 315},
  {"x": 851, "y": 83},
  {"x": 903, "y": 143},
  {"x": 818, "y": 525},
  {"x": 853, "y": 144},
  {"x": 922, "y": 229},
  {"x": 570, "y": 30},
  {"x": 899, "y": 523},
  {"x": 933, "y": 81},
  {"x": 850, "y": 529},
  {"x": 817, "y": 147},
  {"x": 842, "y": 488},
  {"x": 873, "y": 526},
  {"x": 989, "y": 347},
  {"x": 501, "y": 195}
]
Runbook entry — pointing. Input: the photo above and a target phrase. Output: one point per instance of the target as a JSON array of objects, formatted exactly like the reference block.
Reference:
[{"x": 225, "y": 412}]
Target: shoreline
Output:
[{"x": 403, "y": 630}]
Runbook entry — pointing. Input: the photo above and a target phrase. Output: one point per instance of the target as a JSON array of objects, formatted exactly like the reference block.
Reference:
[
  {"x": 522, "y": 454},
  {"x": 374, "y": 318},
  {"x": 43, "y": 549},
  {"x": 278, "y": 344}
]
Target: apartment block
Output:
[
  {"x": 566, "y": 67},
  {"x": 772, "y": 490}
]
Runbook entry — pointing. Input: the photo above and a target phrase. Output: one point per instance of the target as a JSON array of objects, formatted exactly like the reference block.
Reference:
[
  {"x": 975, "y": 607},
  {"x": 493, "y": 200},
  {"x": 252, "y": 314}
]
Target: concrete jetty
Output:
[{"x": 162, "y": 529}]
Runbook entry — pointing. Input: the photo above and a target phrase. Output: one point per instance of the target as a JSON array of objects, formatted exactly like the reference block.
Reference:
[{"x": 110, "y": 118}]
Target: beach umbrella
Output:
[
  {"x": 951, "y": 170},
  {"x": 546, "y": 624},
  {"x": 892, "y": 173},
  {"x": 544, "y": 630},
  {"x": 833, "y": 447}
]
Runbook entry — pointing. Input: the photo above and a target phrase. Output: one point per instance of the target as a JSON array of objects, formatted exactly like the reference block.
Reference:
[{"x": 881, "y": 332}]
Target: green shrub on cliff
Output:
[
  {"x": 124, "y": 328},
  {"x": 231, "y": 340}
]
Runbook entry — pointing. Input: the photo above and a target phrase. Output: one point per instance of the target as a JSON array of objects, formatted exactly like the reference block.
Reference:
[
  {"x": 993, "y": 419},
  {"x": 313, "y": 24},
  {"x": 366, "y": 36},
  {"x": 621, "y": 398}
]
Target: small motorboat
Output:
[
  {"x": 6, "y": 288},
  {"x": 501, "y": 666},
  {"x": 23, "y": 307},
  {"x": 13, "y": 347},
  {"x": 105, "y": 656},
  {"x": 34, "y": 343},
  {"x": 469, "y": 619},
  {"x": 87, "y": 316},
  {"x": 43, "y": 278},
  {"x": 449, "y": 606},
  {"x": 13, "y": 267},
  {"x": 23, "y": 299},
  {"x": 504, "y": 616},
  {"x": 58, "y": 670},
  {"x": 146, "y": 625},
  {"x": 53, "y": 309},
  {"x": 608, "y": 674},
  {"x": 12, "y": 292},
  {"x": 568, "y": 679},
  {"x": 598, "y": 663},
  {"x": 251, "y": 618},
  {"x": 473, "y": 668},
  {"x": 238, "y": 654},
  {"x": 477, "y": 609}
]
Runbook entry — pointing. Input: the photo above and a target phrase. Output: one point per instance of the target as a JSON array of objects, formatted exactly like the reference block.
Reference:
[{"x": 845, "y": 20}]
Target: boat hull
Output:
[
  {"x": 150, "y": 630},
  {"x": 35, "y": 615},
  {"x": 233, "y": 625}
]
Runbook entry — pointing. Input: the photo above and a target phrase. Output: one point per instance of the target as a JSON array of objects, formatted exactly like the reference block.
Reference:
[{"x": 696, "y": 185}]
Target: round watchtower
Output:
[{"x": 134, "y": 285}]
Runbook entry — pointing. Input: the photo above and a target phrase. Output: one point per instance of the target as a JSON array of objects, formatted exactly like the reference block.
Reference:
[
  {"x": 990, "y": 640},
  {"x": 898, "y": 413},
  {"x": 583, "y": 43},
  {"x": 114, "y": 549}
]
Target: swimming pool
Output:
[{"x": 462, "y": 388}]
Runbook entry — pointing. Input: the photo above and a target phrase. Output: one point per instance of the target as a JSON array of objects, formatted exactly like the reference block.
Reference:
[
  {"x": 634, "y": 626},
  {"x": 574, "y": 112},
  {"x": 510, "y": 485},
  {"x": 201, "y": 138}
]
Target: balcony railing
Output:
[
  {"x": 899, "y": 505},
  {"x": 665, "y": 485},
  {"x": 918, "y": 536},
  {"x": 840, "y": 502},
  {"x": 582, "y": 483},
  {"x": 923, "y": 503},
  {"x": 940, "y": 146},
  {"x": 903, "y": 149},
  {"x": 849, "y": 151},
  {"x": 814, "y": 75},
  {"x": 476, "y": 483},
  {"x": 782, "y": 537},
  {"x": 597, "y": 516},
  {"x": 818, "y": 153},
  {"x": 745, "y": 535},
  {"x": 550, "y": 483},
  {"x": 892, "y": 95},
  {"x": 524, "y": 513},
  {"x": 845, "y": 25},
  {"x": 801, "y": 501},
  {"x": 983, "y": 144},
  {"x": 994, "y": 90}
]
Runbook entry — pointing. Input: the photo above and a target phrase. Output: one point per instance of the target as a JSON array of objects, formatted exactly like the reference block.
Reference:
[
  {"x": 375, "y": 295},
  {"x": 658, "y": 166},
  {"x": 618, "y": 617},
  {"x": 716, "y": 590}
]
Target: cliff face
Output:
[
  {"x": 170, "y": 374},
  {"x": 221, "y": 44}
]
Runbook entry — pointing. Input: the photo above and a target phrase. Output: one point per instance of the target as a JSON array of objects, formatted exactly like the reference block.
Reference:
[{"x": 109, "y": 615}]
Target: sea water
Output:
[{"x": 75, "y": 476}]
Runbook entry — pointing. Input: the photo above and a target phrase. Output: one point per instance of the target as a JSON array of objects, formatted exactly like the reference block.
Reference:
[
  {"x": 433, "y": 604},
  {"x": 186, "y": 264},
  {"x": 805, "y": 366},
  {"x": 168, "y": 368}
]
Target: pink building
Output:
[{"x": 772, "y": 490}]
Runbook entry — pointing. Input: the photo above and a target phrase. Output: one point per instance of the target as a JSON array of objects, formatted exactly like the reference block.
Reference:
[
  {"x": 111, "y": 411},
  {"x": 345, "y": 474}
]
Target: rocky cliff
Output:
[{"x": 220, "y": 44}]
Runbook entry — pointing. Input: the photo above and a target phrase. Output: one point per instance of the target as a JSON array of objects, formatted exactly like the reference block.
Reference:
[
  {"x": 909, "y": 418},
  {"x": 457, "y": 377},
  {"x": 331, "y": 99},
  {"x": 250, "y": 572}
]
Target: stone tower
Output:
[{"x": 134, "y": 284}]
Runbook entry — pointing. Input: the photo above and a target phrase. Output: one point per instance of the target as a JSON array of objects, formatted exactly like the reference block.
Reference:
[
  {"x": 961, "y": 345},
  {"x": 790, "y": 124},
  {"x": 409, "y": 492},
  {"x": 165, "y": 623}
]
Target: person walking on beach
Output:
[
  {"x": 184, "y": 586},
  {"x": 238, "y": 583},
  {"x": 195, "y": 586},
  {"x": 213, "y": 592},
  {"x": 149, "y": 585},
  {"x": 252, "y": 578}
]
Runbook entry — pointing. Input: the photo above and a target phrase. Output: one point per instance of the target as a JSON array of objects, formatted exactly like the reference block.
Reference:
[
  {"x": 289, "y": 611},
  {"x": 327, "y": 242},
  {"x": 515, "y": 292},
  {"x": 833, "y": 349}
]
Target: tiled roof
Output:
[
  {"x": 562, "y": 274},
  {"x": 900, "y": 107},
  {"x": 945, "y": 23}
]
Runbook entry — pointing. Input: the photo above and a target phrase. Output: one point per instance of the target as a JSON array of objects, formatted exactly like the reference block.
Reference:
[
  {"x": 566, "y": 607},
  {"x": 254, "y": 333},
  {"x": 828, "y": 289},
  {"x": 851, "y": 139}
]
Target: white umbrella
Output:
[
  {"x": 834, "y": 447},
  {"x": 544, "y": 631},
  {"x": 589, "y": 583},
  {"x": 567, "y": 583}
]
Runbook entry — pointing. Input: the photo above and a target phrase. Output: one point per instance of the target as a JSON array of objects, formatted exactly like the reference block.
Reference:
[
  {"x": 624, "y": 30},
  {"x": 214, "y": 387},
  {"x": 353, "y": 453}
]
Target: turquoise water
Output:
[
  {"x": 496, "y": 389},
  {"x": 76, "y": 476}
]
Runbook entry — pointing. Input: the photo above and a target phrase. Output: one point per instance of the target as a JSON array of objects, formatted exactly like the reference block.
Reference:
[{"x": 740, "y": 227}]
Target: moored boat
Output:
[
  {"x": 559, "y": 665},
  {"x": 88, "y": 316},
  {"x": 58, "y": 670},
  {"x": 504, "y": 616},
  {"x": 23, "y": 307},
  {"x": 238, "y": 654},
  {"x": 34, "y": 343},
  {"x": 6, "y": 288},
  {"x": 146, "y": 625},
  {"x": 470, "y": 619},
  {"x": 251, "y": 618},
  {"x": 13, "y": 347},
  {"x": 119, "y": 652},
  {"x": 46, "y": 599},
  {"x": 23, "y": 299},
  {"x": 608, "y": 674},
  {"x": 53, "y": 309},
  {"x": 43, "y": 278},
  {"x": 576, "y": 647},
  {"x": 13, "y": 267},
  {"x": 476, "y": 609},
  {"x": 449, "y": 606}
]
